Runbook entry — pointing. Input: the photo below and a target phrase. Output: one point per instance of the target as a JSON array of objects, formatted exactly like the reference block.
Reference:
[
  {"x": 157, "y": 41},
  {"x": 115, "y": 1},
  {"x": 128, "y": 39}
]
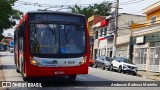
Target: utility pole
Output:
[{"x": 116, "y": 27}]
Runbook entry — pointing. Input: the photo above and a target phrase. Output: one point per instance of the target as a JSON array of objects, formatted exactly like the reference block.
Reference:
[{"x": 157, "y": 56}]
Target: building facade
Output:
[
  {"x": 103, "y": 39},
  {"x": 123, "y": 47},
  {"x": 146, "y": 40},
  {"x": 104, "y": 35},
  {"x": 90, "y": 22}
]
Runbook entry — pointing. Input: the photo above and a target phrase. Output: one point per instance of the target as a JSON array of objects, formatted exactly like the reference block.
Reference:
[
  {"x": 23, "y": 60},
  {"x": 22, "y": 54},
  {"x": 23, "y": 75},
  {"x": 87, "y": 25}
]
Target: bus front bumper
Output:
[{"x": 34, "y": 71}]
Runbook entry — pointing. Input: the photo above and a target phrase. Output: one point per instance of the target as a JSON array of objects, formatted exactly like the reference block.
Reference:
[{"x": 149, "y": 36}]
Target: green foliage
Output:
[
  {"x": 8, "y": 15},
  {"x": 97, "y": 9},
  {"x": 6, "y": 41}
]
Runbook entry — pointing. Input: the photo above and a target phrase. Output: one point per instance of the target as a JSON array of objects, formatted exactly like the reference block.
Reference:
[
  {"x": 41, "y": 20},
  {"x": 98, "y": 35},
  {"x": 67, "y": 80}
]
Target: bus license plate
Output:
[{"x": 59, "y": 72}]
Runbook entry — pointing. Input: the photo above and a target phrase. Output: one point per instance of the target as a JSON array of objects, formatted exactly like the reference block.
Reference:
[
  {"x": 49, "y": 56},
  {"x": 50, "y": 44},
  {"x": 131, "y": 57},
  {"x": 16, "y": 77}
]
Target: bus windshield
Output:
[{"x": 56, "y": 38}]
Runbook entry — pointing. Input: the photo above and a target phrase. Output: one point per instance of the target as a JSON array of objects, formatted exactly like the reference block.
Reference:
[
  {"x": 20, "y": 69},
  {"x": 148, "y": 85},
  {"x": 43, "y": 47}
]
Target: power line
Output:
[
  {"x": 66, "y": 2},
  {"x": 124, "y": 20},
  {"x": 63, "y": 5},
  {"x": 127, "y": 2},
  {"x": 77, "y": 1},
  {"x": 131, "y": 2},
  {"x": 140, "y": 21},
  {"x": 53, "y": 6},
  {"x": 36, "y": 4},
  {"x": 112, "y": 30},
  {"x": 31, "y": 3},
  {"x": 137, "y": 26}
]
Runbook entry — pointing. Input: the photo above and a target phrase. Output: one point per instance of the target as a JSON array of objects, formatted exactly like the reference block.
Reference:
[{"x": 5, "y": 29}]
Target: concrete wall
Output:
[{"x": 124, "y": 22}]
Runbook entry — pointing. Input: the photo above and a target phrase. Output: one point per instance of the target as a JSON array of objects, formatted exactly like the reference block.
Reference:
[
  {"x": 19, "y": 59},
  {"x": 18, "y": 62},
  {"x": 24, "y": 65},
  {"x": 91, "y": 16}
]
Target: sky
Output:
[{"x": 126, "y": 6}]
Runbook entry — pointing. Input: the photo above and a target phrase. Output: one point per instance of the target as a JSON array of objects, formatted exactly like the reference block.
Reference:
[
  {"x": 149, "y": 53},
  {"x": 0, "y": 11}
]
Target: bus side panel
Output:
[{"x": 26, "y": 48}]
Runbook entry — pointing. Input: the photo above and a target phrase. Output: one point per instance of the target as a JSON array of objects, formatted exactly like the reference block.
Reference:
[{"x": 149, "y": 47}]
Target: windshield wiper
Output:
[
  {"x": 49, "y": 27},
  {"x": 53, "y": 31}
]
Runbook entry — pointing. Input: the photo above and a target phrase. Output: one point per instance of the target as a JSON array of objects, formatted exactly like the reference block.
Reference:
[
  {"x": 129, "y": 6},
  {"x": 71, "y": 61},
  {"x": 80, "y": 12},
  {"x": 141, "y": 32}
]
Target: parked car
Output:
[
  {"x": 123, "y": 65},
  {"x": 103, "y": 62},
  {"x": 5, "y": 47},
  {"x": 91, "y": 63},
  {"x": 1, "y": 47}
]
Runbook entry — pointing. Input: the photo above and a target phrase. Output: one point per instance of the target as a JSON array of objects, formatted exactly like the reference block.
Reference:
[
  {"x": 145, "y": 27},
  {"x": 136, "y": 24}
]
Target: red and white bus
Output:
[{"x": 42, "y": 40}]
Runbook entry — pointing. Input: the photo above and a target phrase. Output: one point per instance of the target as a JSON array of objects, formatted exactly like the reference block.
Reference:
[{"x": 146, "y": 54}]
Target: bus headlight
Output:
[
  {"x": 83, "y": 61},
  {"x": 34, "y": 62}
]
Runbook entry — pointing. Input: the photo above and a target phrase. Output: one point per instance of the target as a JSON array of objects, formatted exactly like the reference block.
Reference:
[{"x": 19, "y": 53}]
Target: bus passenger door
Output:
[
  {"x": 21, "y": 60},
  {"x": 21, "y": 47},
  {"x": 16, "y": 56}
]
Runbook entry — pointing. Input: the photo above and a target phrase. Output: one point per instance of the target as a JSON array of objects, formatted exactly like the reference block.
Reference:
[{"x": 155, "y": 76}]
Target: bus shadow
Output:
[
  {"x": 6, "y": 55},
  {"x": 66, "y": 82},
  {"x": 8, "y": 67}
]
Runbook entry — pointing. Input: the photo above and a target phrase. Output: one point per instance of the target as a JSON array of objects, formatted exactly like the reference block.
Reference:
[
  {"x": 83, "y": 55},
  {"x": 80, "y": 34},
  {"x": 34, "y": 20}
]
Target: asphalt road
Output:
[{"x": 97, "y": 79}]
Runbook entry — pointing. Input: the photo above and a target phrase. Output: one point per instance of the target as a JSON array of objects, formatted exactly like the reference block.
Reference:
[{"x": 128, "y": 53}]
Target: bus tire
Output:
[
  {"x": 72, "y": 77},
  {"x": 26, "y": 78},
  {"x": 17, "y": 70},
  {"x": 15, "y": 59}
]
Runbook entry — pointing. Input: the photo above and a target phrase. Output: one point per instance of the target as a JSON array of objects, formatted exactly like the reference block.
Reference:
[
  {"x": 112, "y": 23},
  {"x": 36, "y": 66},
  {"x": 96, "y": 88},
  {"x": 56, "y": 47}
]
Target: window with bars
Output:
[{"x": 140, "y": 55}]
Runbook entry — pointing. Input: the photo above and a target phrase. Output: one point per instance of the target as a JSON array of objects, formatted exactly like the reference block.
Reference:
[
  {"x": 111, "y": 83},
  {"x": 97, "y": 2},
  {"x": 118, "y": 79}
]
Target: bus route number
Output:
[{"x": 71, "y": 62}]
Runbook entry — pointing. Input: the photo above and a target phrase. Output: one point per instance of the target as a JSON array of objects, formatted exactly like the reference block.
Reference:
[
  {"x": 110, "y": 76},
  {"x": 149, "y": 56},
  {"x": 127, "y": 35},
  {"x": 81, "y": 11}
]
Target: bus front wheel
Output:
[
  {"x": 26, "y": 78},
  {"x": 17, "y": 70},
  {"x": 72, "y": 77}
]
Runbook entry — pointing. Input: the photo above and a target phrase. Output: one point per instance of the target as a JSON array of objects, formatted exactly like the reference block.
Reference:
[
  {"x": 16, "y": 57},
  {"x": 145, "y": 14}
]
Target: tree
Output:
[
  {"x": 5, "y": 41},
  {"x": 8, "y": 15},
  {"x": 103, "y": 9}
]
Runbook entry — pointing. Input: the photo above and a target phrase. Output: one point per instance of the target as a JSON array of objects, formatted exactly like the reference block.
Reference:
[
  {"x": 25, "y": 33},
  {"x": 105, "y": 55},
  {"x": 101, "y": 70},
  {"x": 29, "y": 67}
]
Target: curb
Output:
[{"x": 139, "y": 75}]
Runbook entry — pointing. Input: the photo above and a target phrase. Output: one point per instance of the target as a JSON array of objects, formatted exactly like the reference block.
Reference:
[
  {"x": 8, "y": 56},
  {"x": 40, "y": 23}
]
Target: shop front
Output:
[{"x": 147, "y": 52}]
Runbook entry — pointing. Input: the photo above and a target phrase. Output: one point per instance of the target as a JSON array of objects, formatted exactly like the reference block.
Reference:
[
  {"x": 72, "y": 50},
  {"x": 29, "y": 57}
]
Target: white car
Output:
[{"x": 123, "y": 65}]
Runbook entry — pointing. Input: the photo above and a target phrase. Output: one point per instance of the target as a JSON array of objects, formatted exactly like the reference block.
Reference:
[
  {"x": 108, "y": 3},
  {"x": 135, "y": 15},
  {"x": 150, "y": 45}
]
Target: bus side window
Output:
[
  {"x": 21, "y": 31},
  {"x": 21, "y": 36},
  {"x": 15, "y": 37}
]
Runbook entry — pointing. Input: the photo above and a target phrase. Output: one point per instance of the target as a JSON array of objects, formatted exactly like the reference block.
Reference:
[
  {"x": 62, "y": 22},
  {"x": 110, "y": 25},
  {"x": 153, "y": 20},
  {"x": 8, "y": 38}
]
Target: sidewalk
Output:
[
  {"x": 2, "y": 76},
  {"x": 1, "y": 72},
  {"x": 149, "y": 75}
]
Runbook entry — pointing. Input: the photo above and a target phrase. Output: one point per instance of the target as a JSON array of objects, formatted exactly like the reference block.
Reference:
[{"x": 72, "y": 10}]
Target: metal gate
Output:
[
  {"x": 140, "y": 57},
  {"x": 154, "y": 59}
]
